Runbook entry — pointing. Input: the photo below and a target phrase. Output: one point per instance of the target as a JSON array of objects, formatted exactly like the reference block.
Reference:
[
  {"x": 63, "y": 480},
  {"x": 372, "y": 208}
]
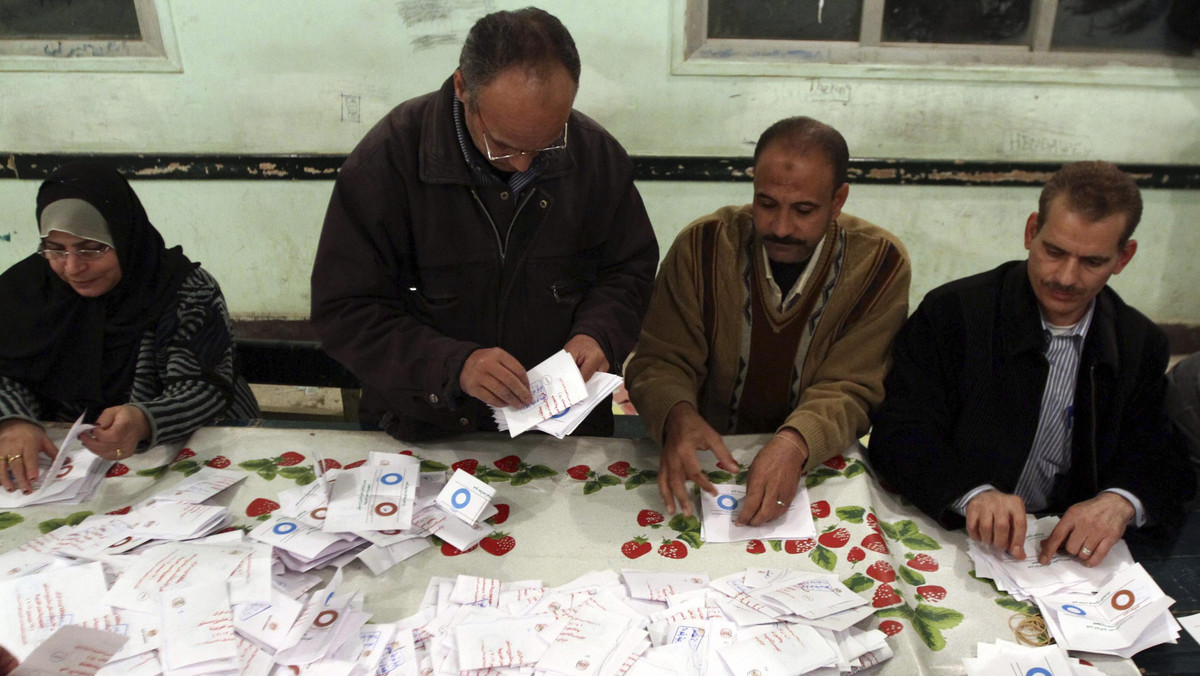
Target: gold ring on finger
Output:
[
  {"x": 118, "y": 453},
  {"x": 15, "y": 457}
]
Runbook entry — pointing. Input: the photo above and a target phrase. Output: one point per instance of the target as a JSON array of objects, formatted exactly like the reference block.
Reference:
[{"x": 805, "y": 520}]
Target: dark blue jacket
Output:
[{"x": 962, "y": 402}]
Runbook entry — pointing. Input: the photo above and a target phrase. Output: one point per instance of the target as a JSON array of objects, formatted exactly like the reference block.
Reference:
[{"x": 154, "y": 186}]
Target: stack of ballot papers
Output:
[
  {"x": 1005, "y": 657},
  {"x": 71, "y": 477},
  {"x": 381, "y": 512},
  {"x": 1114, "y": 608},
  {"x": 218, "y": 605},
  {"x": 561, "y": 400}
]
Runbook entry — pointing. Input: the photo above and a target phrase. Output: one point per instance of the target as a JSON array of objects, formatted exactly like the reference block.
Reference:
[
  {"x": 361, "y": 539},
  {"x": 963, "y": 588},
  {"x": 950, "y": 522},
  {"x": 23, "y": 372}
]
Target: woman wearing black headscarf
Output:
[{"x": 106, "y": 319}]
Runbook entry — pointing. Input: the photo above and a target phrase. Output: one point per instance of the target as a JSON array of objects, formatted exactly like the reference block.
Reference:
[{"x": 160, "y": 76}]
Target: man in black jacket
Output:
[
  {"x": 477, "y": 230},
  {"x": 1034, "y": 387}
]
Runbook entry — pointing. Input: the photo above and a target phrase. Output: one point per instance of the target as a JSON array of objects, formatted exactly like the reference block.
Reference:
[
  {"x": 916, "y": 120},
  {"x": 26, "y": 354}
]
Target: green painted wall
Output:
[{"x": 271, "y": 76}]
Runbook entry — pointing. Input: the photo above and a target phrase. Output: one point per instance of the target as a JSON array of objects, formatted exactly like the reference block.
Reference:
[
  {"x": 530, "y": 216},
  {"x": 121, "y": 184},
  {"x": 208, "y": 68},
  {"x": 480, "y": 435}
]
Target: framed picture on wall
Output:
[{"x": 87, "y": 35}]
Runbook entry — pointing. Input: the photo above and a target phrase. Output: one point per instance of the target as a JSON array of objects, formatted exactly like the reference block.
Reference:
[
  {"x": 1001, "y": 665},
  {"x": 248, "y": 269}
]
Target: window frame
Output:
[
  {"x": 156, "y": 51},
  {"x": 694, "y": 53}
]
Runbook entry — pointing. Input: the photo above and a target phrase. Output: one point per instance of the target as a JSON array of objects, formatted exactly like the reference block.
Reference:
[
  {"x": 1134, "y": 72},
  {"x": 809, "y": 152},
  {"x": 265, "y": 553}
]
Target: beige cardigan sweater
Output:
[{"x": 695, "y": 342}]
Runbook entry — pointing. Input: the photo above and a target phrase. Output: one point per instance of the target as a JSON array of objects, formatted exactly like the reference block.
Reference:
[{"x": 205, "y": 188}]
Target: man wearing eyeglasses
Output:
[{"x": 477, "y": 230}]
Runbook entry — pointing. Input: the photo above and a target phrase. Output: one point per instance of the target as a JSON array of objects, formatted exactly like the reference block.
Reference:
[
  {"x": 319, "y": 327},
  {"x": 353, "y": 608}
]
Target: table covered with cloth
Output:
[{"x": 589, "y": 504}]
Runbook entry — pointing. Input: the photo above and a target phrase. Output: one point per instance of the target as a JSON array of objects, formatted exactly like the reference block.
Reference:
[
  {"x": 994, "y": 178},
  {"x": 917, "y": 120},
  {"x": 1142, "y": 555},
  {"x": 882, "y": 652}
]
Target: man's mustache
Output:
[
  {"x": 1063, "y": 289},
  {"x": 788, "y": 241}
]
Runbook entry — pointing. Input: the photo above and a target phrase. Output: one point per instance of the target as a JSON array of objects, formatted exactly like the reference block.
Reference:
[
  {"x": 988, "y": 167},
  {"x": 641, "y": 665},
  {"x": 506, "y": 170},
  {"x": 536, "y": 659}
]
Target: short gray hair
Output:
[{"x": 529, "y": 37}]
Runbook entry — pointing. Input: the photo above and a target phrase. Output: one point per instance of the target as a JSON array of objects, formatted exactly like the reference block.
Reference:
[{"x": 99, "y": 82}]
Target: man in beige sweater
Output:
[{"x": 777, "y": 316}]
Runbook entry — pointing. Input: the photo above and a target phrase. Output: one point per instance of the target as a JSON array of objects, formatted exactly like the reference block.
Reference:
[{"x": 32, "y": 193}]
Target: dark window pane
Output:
[
  {"x": 56, "y": 19},
  {"x": 980, "y": 22},
  {"x": 785, "y": 19},
  {"x": 1123, "y": 25}
]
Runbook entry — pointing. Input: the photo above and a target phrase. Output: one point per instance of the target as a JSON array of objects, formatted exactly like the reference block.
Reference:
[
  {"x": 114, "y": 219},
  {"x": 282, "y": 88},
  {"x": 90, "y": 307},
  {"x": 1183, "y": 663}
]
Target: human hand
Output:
[
  {"x": 773, "y": 479},
  {"x": 8, "y": 661},
  {"x": 1089, "y": 529},
  {"x": 118, "y": 431},
  {"x": 687, "y": 432},
  {"x": 998, "y": 519},
  {"x": 588, "y": 355},
  {"x": 20, "y": 443},
  {"x": 496, "y": 378}
]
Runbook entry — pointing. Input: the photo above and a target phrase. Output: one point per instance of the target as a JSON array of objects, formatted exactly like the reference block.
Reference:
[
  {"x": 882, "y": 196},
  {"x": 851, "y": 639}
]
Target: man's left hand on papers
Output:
[
  {"x": 774, "y": 475},
  {"x": 588, "y": 355},
  {"x": 1089, "y": 529}
]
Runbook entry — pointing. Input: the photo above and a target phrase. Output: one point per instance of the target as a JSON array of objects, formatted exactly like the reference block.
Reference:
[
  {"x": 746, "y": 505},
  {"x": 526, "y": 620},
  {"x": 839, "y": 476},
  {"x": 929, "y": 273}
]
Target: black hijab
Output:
[{"x": 82, "y": 351}]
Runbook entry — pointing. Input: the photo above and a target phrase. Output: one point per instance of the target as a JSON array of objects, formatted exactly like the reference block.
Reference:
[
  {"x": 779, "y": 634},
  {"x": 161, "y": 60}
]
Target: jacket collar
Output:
[
  {"x": 440, "y": 158},
  {"x": 1021, "y": 326}
]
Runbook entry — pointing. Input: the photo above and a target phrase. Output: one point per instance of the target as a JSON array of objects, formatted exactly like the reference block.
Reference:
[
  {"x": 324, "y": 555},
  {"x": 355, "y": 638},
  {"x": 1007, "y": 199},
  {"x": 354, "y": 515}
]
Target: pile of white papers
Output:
[
  {"x": 71, "y": 477},
  {"x": 381, "y": 512},
  {"x": 1004, "y": 657},
  {"x": 561, "y": 400},
  {"x": 220, "y": 605},
  {"x": 1113, "y": 609}
]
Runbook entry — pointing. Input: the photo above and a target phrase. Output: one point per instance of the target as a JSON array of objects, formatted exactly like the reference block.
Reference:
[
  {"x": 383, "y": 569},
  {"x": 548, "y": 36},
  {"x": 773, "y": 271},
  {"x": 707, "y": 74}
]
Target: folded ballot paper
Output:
[
  {"x": 1114, "y": 608},
  {"x": 720, "y": 513},
  {"x": 1005, "y": 657},
  {"x": 70, "y": 477},
  {"x": 561, "y": 400}
]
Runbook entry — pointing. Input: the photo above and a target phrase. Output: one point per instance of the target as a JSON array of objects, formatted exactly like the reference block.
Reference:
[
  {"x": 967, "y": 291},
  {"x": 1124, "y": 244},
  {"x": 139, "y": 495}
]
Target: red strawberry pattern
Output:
[
  {"x": 835, "y": 538},
  {"x": 356, "y": 463},
  {"x": 755, "y": 547},
  {"x": 932, "y": 592},
  {"x": 923, "y": 562},
  {"x": 882, "y": 571},
  {"x": 219, "y": 462},
  {"x": 621, "y": 469},
  {"x": 498, "y": 544},
  {"x": 649, "y": 517},
  {"x": 261, "y": 507},
  {"x": 469, "y": 465},
  {"x": 184, "y": 454},
  {"x": 501, "y": 514},
  {"x": 800, "y": 546},
  {"x": 836, "y": 462},
  {"x": 450, "y": 550},
  {"x": 639, "y": 546},
  {"x": 820, "y": 509},
  {"x": 579, "y": 472},
  {"x": 288, "y": 459},
  {"x": 885, "y": 596},
  {"x": 873, "y": 522},
  {"x": 118, "y": 469},
  {"x": 121, "y": 511},
  {"x": 673, "y": 549},
  {"x": 509, "y": 463},
  {"x": 875, "y": 543},
  {"x": 890, "y": 627},
  {"x": 329, "y": 463},
  {"x": 855, "y": 555}
]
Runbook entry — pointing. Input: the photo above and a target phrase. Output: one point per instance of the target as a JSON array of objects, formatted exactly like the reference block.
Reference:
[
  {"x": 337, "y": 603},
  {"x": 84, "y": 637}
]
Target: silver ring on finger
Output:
[
  {"x": 1085, "y": 552},
  {"x": 781, "y": 503}
]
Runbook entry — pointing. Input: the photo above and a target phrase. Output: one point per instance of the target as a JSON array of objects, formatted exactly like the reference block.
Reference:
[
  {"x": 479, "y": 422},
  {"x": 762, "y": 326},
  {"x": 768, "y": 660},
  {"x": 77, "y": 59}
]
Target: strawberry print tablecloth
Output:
[{"x": 572, "y": 506}]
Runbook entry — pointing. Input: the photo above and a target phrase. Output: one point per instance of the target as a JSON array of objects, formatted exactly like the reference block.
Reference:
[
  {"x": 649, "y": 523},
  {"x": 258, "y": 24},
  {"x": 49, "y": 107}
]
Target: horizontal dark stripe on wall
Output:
[{"x": 649, "y": 168}]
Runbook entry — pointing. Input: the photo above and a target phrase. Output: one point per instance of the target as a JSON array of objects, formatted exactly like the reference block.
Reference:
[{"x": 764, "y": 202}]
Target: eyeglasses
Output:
[
  {"x": 561, "y": 144},
  {"x": 84, "y": 254}
]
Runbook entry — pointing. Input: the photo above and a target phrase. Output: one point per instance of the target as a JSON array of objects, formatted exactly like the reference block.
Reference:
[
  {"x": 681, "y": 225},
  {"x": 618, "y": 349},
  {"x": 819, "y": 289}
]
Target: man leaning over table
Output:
[
  {"x": 477, "y": 230},
  {"x": 775, "y": 317},
  {"x": 1034, "y": 388}
]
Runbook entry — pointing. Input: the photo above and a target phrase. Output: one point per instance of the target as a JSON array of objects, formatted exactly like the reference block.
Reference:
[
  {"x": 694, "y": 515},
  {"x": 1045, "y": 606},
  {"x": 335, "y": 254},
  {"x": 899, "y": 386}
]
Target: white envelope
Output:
[{"x": 720, "y": 512}]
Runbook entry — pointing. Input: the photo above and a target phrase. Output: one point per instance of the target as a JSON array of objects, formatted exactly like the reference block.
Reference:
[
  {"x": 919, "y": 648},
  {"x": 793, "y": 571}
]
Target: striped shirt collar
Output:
[{"x": 1080, "y": 328}]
